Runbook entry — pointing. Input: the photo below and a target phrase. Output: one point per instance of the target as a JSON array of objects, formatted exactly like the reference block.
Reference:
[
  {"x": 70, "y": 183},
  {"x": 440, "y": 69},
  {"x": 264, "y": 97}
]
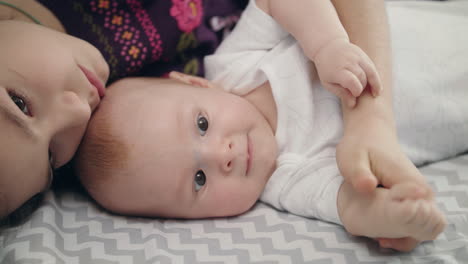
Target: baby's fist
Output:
[{"x": 345, "y": 70}]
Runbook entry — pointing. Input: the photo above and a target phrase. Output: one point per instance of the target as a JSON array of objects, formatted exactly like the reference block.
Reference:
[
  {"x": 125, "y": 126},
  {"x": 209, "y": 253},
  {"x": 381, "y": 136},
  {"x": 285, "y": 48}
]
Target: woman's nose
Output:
[{"x": 71, "y": 116}]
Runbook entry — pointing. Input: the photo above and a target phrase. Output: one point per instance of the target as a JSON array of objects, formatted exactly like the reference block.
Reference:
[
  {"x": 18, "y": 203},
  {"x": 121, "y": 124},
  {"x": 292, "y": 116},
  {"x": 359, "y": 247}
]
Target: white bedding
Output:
[{"x": 430, "y": 47}]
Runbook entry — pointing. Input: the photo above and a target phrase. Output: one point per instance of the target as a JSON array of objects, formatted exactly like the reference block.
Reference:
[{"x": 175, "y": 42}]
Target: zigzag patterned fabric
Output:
[{"x": 70, "y": 228}]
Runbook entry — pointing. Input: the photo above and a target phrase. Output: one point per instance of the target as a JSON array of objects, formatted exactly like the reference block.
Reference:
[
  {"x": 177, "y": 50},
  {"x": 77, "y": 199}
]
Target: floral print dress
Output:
[{"x": 149, "y": 38}]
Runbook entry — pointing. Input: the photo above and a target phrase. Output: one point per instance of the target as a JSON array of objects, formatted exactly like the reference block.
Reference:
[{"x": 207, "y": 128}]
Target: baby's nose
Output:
[
  {"x": 221, "y": 154},
  {"x": 226, "y": 157}
]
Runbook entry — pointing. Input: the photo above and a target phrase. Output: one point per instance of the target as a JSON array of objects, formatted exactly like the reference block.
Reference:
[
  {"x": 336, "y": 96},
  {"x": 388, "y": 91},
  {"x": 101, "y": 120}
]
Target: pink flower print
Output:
[
  {"x": 114, "y": 20},
  {"x": 127, "y": 35},
  {"x": 148, "y": 28},
  {"x": 103, "y": 4},
  {"x": 134, "y": 51},
  {"x": 188, "y": 14},
  {"x": 117, "y": 20}
]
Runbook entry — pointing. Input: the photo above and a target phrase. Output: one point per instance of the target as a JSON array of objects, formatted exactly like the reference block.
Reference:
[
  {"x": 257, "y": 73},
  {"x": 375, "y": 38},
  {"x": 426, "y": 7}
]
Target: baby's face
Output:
[{"x": 195, "y": 152}]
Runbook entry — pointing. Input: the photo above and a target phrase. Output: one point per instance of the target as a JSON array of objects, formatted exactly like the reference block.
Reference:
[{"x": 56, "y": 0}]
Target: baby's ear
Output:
[{"x": 190, "y": 79}]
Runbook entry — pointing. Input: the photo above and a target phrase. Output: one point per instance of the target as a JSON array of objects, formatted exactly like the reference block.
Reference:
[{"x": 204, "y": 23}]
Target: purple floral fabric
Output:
[{"x": 149, "y": 38}]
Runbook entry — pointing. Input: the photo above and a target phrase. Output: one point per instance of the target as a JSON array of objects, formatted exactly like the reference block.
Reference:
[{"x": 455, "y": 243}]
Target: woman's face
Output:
[{"x": 50, "y": 83}]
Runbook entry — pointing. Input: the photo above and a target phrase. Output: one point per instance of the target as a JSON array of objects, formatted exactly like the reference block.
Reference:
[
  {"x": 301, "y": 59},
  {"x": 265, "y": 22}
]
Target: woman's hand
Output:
[{"x": 368, "y": 155}]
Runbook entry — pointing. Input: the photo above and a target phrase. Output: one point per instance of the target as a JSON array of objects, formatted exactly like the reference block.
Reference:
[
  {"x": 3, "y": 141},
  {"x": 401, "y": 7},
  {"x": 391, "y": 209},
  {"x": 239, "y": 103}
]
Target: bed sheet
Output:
[{"x": 69, "y": 228}]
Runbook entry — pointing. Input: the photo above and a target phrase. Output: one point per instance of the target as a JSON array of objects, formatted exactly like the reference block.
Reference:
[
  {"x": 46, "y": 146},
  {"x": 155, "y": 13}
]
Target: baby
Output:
[{"x": 264, "y": 128}]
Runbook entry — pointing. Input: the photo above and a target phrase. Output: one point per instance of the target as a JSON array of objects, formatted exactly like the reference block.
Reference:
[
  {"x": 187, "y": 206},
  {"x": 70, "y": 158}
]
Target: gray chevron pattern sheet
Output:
[{"x": 70, "y": 228}]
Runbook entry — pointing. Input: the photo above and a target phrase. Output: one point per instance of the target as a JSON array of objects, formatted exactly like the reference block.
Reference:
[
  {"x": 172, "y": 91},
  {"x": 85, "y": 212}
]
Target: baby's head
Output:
[{"x": 177, "y": 147}]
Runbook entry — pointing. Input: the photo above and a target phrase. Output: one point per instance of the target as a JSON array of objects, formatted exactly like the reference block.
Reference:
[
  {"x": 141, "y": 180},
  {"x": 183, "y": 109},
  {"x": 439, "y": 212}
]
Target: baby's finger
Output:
[
  {"x": 435, "y": 223},
  {"x": 358, "y": 71},
  {"x": 373, "y": 79},
  {"x": 407, "y": 191},
  {"x": 343, "y": 94},
  {"x": 404, "y": 244},
  {"x": 349, "y": 81}
]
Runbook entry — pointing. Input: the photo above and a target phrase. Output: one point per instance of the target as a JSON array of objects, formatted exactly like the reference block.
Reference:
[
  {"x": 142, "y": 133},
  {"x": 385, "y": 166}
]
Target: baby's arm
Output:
[
  {"x": 391, "y": 213},
  {"x": 343, "y": 68}
]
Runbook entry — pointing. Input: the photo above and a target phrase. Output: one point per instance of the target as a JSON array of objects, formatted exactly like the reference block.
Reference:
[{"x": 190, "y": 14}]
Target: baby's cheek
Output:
[
  {"x": 247, "y": 197},
  {"x": 234, "y": 200}
]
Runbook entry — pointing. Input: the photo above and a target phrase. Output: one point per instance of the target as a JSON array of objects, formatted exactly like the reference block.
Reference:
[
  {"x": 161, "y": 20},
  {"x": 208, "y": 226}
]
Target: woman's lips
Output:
[{"x": 94, "y": 80}]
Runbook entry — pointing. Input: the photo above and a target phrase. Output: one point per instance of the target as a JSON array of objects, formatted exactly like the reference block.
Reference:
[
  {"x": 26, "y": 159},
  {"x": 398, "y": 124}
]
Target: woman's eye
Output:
[
  {"x": 200, "y": 180},
  {"x": 20, "y": 103},
  {"x": 202, "y": 124}
]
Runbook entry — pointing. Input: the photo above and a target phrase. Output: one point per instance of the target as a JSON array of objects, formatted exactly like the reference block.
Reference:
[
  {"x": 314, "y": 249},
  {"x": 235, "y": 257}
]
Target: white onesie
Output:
[{"x": 310, "y": 125}]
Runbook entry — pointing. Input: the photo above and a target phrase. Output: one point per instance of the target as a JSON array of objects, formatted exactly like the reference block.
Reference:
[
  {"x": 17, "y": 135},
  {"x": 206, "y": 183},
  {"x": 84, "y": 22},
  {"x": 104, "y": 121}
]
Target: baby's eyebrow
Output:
[
  {"x": 183, "y": 185},
  {"x": 179, "y": 117},
  {"x": 184, "y": 135},
  {"x": 187, "y": 132}
]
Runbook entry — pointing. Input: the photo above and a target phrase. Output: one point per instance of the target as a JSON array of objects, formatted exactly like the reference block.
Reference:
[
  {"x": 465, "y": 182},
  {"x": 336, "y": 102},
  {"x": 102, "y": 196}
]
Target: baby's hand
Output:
[
  {"x": 420, "y": 217},
  {"x": 345, "y": 70},
  {"x": 404, "y": 244},
  {"x": 412, "y": 216}
]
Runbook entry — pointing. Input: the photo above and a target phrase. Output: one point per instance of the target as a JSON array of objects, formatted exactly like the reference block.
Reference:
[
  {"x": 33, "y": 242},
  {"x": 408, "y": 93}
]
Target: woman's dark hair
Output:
[
  {"x": 64, "y": 181},
  {"x": 23, "y": 213}
]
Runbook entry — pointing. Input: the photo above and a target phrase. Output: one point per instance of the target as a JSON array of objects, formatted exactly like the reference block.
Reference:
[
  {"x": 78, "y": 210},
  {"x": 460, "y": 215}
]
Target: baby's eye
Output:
[
  {"x": 200, "y": 180},
  {"x": 20, "y": 103},
  {"x": 202, "y": 124}
]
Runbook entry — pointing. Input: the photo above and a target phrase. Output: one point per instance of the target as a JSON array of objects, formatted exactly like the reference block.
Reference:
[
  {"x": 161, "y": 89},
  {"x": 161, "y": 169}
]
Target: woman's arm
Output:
[
  {"x": 369, "y": 153},
  {"x": 367, "y": 26}
]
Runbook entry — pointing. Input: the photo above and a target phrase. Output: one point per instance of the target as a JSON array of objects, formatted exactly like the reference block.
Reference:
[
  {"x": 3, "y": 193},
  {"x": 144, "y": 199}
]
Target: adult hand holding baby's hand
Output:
[
  {"x": 369, "y": 154},
  {"x": 345, "y": 70}
]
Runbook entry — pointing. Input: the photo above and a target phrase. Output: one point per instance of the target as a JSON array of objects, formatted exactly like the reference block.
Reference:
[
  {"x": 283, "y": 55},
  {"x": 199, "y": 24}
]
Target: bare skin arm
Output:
[
  {"x": 369, "y": 152},
  {"x": 313, "y": 23},
  {"x": 33, "y": 8},
  {"x": 343, "y": 68}
]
